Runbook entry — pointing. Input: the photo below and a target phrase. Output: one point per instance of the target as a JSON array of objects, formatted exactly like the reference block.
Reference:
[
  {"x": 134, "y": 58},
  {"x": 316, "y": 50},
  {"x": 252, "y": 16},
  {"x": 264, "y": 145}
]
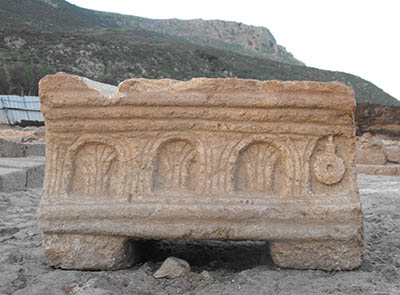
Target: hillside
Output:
[
  {"x": 61, "y": 15},
  {"x": 45, "y": 36}
]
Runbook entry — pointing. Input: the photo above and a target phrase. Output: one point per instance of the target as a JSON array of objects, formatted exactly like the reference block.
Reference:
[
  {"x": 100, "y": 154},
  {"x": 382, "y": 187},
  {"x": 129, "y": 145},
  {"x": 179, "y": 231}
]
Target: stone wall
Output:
[{"x": 378, "y": 155}]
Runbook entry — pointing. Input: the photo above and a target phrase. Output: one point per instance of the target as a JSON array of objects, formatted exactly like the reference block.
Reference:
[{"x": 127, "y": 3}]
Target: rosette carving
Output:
[{"x": 329, "y": 168}]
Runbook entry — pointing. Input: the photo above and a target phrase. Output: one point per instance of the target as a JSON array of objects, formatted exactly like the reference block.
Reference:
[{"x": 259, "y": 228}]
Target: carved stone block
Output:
[{"x": 203, "y": 159}]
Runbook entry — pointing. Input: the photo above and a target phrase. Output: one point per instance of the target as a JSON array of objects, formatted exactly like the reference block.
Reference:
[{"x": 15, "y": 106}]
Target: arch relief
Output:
[
  {"x": 260, "y": 164},
  {"x": 176, "y": 166},
  {"x": 176, "y": 162},
  {"x": 258, "y": 169},
  {"x": 93, "y": 168}
]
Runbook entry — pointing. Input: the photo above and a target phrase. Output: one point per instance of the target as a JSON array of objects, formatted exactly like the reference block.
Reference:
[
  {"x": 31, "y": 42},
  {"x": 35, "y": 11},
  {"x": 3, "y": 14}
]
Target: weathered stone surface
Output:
[
  {"x": 11, "y": 149},
  {"x": 206, "y": 275},
  {"x": 21, "y": 173},
  {"x": 203, "y": 159},
  {"x": 371, "y": 157},
  {"x": 35, "y": 149},
  {"x": 12, "y": 179},
  {"x": 378, "y": 155},
  {"x": 172, "y": 268},
  {"x": 328, "y": 254},
  {"x": 393, "y": 154},
  {"x": 74, "y": 251},
  {"x": 388, "y": 170}
]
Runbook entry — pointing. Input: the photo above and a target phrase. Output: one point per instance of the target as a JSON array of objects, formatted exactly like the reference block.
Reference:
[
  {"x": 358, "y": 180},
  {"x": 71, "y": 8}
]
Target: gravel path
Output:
[{"x": 231, "y": 267}]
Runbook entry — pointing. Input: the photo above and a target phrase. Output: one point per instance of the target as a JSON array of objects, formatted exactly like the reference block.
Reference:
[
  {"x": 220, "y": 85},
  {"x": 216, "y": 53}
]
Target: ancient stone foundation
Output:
[{"x": 225, "y": 159}]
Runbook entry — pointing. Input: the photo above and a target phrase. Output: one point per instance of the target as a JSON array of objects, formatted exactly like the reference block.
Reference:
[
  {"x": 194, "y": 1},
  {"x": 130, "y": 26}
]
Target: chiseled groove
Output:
[
  {"x": 190, "y": 120},
  {"x": 206, "y": 125},
  {"x": 181, "y": 112},
  {"x": 203, "y": 104}
]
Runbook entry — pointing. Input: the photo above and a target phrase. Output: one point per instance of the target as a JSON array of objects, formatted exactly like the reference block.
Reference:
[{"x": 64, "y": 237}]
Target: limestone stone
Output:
[
  {"x": 393, "y": 154},
  {"x": 371, "y": 157},
  {"x": 206, "y": 275},
  {"x": 227, "y": 159},
  {"x": 97, "y": 252},
  {"x": 11, "y": 149},
  {"x": 12, "y": 179},
  {"x": 388, "y": 170},
  {"x": 172, "y": 268},
  {"x": 35, "y": 149},
  {"x": 327, "y": 255},
  {"x": 21, "y": 173}
]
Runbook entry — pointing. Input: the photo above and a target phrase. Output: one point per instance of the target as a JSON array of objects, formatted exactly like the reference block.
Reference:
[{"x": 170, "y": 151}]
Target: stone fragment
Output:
[
  {"x": 40, "y": 132},
  {"x": 393, "y": 154},
  {"x": 365, "y": 137},
  {"x": 371, "y": 157},
  {"x": 206, "y": 275},
  {"x": 227, "y": 159},
  {"x": 387, "y": 170},
  {"x": 172, "y": 268},
  {"x": 373, "y": 144}
]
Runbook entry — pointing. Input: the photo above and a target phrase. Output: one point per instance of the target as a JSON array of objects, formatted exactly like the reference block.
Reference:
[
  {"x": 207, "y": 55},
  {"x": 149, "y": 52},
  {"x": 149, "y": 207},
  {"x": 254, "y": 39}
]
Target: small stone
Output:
[
  {"x": 40, "y": 132},
  {"x": 172, "y": 268},
  {"x": 371, "y": 157},
  {"x": 206, "y": 275},
  {"x": 393, "y": 154}
]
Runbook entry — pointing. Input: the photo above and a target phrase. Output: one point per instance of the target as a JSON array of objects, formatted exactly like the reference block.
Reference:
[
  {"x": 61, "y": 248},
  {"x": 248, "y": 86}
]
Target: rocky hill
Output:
[
  {"x": 232, "y": 36},
  {"x": 61, "y": 15},
  {"x": 45, "y": 36}
]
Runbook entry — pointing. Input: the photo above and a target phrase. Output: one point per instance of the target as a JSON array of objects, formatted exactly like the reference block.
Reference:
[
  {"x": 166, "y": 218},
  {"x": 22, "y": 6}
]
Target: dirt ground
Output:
[{"x": 231, "y": 267}]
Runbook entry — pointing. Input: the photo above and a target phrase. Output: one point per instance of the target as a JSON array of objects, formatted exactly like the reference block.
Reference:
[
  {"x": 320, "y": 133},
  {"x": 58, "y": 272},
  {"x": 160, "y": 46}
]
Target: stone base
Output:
[
  {"x": 326, "y": 255},
  {"x": 89, "y": 252}
]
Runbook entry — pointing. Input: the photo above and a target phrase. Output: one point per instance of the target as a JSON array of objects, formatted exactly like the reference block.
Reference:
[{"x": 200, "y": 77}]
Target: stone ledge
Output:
[
  {"x": 21, "y": 173},
  {"x": 388, "y": 170}
]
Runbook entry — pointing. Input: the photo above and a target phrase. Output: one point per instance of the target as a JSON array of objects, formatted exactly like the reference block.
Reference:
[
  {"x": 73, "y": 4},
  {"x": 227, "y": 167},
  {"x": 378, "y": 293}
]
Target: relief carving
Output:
[
  {"x": 176, "y": 166},
  {"x": 328, "y": 167},
  {"x": 259, "y": 169},
  {"x": 228, "y": 159},
  {"x": 94, "y": 170}
]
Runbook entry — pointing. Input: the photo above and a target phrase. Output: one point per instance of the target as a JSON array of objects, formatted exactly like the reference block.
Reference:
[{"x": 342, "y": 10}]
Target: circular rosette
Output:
[{"x": 329, "y": 168}]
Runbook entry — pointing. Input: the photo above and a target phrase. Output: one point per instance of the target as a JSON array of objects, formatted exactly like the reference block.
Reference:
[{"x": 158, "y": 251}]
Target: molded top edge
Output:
[{"x": 199, "y": 91}]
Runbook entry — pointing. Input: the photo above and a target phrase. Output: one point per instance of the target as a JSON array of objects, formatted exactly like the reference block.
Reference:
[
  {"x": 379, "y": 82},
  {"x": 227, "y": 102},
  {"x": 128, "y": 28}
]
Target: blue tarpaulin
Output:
[{"x": 14, "y": 109}]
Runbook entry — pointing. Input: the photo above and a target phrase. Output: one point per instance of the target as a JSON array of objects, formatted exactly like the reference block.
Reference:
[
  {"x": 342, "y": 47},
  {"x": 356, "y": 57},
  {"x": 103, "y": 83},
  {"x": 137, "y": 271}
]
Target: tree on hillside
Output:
[{"x": 3, "y": 82}]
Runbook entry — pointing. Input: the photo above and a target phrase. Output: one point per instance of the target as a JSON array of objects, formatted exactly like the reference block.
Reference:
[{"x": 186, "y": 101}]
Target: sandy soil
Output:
[{"x": 234, "y": 267}]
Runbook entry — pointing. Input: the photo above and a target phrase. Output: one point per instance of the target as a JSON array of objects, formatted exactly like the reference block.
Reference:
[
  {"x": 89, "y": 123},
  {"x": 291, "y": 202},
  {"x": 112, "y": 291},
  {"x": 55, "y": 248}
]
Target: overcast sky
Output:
[{"x": 360, "y": 37}]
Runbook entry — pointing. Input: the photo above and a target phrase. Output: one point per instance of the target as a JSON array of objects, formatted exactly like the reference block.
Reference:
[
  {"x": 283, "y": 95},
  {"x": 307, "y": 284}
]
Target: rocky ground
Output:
[
  {"x": 216, "y": 267},
  {"x": 19, "y": 134}
]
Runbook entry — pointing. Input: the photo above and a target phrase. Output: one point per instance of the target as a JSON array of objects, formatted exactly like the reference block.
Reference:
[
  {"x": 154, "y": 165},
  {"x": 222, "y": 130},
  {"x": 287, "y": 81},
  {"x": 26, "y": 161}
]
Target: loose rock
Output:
[
  {"x": 172, "y": 268},
  {"x": 206, "y": 275},
  {"x": 393, "y": 154}
]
